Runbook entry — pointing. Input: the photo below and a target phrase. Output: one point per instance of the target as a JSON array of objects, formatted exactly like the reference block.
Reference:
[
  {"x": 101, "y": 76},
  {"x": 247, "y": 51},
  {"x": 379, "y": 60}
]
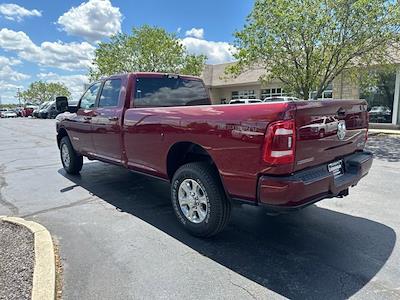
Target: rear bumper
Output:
[{"x": 305, "y": 187}]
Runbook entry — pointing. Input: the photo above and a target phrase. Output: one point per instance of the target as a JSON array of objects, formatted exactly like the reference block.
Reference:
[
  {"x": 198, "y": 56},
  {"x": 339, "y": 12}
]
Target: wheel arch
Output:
[
  {"x": 60, "y": 134},
  {"x": 185, "y": 152}
]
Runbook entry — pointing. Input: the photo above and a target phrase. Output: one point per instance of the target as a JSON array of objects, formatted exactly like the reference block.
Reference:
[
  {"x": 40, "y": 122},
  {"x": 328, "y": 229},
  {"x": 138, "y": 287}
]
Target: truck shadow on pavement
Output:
[{"x": 315, "y": 253}]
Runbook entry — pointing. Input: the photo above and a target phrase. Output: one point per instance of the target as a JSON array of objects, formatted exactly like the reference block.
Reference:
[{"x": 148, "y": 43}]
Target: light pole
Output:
[{"x": 19, "y": 97}]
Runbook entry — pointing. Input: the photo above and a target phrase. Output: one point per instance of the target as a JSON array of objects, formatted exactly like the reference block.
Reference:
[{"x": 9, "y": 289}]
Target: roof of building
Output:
[{"x": 214, "y": 75}]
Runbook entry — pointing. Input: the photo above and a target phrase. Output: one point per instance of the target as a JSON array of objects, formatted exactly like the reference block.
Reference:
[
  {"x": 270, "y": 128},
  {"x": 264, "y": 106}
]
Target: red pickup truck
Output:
[{"x": 281, "y": 155}]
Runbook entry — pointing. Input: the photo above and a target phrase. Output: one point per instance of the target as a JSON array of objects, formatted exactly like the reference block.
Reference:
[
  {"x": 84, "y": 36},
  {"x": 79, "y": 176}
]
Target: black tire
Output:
[
  {"x": 75, "y": 160},
  {"x": 219, "y": 207}
]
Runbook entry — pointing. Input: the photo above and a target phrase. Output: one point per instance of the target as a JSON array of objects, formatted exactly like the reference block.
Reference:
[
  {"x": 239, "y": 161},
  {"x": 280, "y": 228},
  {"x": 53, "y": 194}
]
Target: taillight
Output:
[{"x": 280, "y": 142}]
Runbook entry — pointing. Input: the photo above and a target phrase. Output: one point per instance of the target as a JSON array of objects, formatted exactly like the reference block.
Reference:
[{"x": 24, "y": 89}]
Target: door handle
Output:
[
  {"x": 87, "y": 118},
  {"x": 113, "y": 118}
]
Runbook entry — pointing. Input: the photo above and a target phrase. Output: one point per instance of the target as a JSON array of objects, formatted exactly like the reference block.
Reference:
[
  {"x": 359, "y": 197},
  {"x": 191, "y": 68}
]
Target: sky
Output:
[{"x": 55, "y": 40}]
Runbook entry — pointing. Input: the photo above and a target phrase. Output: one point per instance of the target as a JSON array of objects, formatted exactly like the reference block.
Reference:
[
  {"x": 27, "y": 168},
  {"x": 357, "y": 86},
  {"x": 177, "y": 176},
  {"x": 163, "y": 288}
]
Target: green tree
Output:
[
  {"x": 307, "y": 43},
  {"x": 147, "y": 49},
  {"x": 40, "y": 91}
]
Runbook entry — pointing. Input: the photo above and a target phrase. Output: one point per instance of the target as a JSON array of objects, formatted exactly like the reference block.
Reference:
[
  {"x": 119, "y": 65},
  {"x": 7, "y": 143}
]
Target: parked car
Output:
[
  {"x": 27, "y": 111},
  {"x": 42, "y": 113},
  {"x": 380, "y": 114},
  {"x": 244, "y": 101},
  {"x": 73, "y": 103},
  {"x": 280, "y": 98},
  {"x": 18, "y": 111},
  {"x": 320, "y": 126},
  {"x": 49, "y": 111},
  {"x": 36, "y": 111},
  {"x": 52, "y": 111},
  {"x": 8, "y": 113},
  {"x": 214, "y": 155}
]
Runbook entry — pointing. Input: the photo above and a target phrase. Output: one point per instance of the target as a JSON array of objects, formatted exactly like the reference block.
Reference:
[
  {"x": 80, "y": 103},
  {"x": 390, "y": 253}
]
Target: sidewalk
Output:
[{"x": 383, "y": 131}]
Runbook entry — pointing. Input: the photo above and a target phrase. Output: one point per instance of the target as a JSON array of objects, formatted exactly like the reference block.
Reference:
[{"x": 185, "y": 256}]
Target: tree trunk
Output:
[{"x": 306, "y": 93}]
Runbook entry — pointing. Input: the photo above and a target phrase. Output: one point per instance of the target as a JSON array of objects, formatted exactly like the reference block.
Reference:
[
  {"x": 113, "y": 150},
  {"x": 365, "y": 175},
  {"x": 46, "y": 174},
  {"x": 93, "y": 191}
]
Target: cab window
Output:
[
  {"x": 89, "y": 98},
  {"x": 110, "y": 93},
  {"x": 169, "y": 91}
]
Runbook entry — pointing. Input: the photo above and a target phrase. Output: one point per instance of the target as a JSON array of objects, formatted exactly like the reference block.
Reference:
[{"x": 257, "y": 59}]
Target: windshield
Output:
[
  {"x": 43, "y": 105},
  {"x": 378, "y": 108},
  {"x": 318, "y": 121},
  {"x": 274, "y": 99}
]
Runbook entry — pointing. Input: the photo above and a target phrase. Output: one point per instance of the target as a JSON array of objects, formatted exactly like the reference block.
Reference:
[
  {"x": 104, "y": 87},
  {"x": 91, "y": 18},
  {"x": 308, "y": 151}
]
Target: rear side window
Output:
[
  {"x": 167, "y": 91},
  {"x": 110, "y": 93}
]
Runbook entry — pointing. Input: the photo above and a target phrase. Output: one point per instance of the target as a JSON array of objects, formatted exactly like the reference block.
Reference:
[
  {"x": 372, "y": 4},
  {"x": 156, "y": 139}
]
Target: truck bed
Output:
[{"x": 234, "y": 137}]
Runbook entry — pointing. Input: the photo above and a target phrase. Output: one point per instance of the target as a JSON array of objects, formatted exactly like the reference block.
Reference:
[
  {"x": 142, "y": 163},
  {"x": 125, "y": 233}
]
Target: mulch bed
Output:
[{"x": 16, "y": 261}]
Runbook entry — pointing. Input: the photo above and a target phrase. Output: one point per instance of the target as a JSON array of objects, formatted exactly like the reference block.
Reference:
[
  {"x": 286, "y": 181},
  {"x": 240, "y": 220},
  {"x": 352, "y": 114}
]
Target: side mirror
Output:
[{"x": 62, "y": 104}]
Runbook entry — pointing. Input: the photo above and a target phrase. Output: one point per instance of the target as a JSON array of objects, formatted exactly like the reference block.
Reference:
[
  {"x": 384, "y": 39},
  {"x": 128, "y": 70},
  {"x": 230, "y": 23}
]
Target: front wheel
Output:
[
  {"x": 72, "y": 161},
  {"x": 199, "y": 200}
]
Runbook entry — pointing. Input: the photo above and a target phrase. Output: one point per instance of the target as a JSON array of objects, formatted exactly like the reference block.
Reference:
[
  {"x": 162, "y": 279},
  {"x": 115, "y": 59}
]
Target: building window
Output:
[
  {"x": 244, "y": 94},
  {"x": 272, "y": 92},
  {"x": 380, "y": 98},
  {"x": 326, "y": 94}
]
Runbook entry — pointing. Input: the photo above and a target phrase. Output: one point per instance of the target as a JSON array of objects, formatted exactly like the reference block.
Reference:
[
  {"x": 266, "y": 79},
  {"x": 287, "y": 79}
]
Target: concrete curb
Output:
[
  {"x": 44, "y": 273},
  {"x": 383, "y": 131}
]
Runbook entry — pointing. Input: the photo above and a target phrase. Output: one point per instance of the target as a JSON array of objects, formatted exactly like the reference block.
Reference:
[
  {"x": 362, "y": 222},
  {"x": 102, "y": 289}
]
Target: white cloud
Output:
[
  {"x": 66, "y": 56},
  {"x": 197, "y": 33},
  {"x": 5, "y": 86},
  {"x": 15, "y": 12},
  {"x": 179, "y": 29},
  {"x": 15, "y": 40},
  {"x": 75, "y": 83},
  {"x": 217, "y": 52},
  {"x": 7, "y": 73},
  {"x": 11, "y": 61},
  {"x": 92, "y": 20},
  {"x": 8, "y": 78},
  {"x": 8, "y": 92}
]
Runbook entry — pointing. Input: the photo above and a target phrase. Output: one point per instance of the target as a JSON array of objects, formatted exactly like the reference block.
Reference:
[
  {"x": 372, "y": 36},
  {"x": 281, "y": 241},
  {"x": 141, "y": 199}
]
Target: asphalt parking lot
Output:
[{"x": 119, "y": 239}]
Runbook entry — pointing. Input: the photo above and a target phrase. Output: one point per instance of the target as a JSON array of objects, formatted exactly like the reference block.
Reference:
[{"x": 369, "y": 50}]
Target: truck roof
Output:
[{"x": 152, "y": 74}]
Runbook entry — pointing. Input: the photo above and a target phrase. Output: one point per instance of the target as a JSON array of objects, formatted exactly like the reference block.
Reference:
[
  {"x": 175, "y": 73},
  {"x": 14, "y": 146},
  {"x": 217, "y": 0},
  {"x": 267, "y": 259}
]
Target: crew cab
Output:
[{"x": 264, "y": 154}]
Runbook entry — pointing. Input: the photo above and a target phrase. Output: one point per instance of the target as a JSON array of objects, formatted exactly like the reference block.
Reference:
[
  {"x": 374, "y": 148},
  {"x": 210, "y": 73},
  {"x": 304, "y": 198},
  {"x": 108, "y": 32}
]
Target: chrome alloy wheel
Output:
[
  {"x": 193, "y": 201},
  {"x": 65, "y": 155}
]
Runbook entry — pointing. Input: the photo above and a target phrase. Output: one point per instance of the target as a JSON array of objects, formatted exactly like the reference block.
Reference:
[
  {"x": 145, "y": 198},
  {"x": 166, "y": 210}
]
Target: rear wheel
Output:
[
  {"x": 198, "y": 199},
  {"x": 72, "y": 161}
]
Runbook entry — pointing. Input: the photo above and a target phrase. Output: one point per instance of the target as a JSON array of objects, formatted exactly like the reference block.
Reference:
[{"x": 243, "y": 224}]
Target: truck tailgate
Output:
[{"x": 328, "y": 130}]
